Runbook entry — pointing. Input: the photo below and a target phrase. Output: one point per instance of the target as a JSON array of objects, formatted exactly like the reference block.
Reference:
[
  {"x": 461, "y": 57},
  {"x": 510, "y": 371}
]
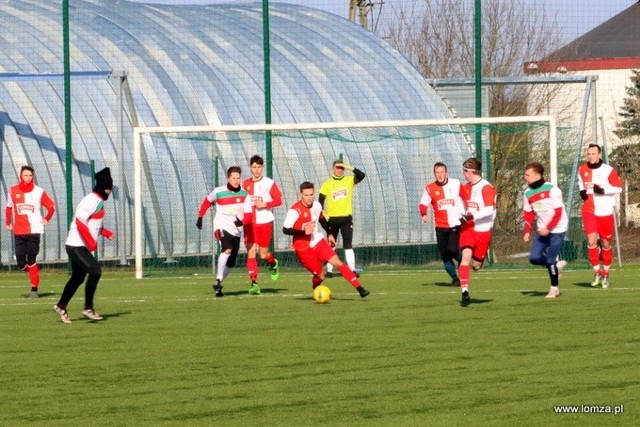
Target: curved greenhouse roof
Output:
[{"x": 203, "y": 65}]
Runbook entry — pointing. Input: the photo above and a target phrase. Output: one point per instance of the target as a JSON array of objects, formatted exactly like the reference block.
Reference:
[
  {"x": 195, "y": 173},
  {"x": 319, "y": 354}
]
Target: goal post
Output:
[{"x": 450, "y": 125}]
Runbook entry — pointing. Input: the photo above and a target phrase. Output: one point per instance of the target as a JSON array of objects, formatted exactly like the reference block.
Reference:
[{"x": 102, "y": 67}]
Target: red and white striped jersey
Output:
[
  {"x": 607, "y": 178},
  {"x": 25, "y": 209},
  {"x": 480, "y": 201},
  {"x": 445, "y": 201},
  {"x": 299, "y": 217},
  {"x": 264, "y": 189}
]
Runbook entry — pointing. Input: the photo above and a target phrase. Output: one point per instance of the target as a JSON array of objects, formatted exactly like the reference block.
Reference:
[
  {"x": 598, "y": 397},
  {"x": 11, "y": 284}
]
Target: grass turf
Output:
[{"x": 169, "y": 352}]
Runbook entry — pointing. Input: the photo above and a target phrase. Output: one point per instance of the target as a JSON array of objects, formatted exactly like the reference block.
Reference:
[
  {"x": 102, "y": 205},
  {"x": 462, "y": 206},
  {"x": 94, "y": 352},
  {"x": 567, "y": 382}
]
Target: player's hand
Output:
[
  {"x": 238, "y": 222},
  {"x": 199, "y": 223},
  {"x": 259, "y": 203},
  {"x": 597, "y": 189},
  {"x": 332, "y": 240},
  {"x": 466, "y": 218},
  {"x": 526, "y": 237},
  {"x": 9, "y": 227},
  {"x": 44, "y": 221},
  {"x": 425, "y": 218},
  {"x": 345, "y": 165},
  {"x": 583, "y": 195},
  {"x": 543, "y": 231}
]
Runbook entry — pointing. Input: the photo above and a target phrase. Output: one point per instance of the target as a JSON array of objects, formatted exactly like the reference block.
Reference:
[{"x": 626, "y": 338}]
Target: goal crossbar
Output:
[{"x": 139, "y": 131}]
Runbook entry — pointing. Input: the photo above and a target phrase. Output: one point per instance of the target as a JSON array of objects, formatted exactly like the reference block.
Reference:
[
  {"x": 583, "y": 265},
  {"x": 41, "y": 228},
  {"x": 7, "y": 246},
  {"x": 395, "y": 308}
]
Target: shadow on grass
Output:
[
  {"x": 246, "y": 291},
  {"x": 475, "y": 301},
  {"x": 534, "y": 293},
  {"x": 583, "y": 284},
  {"x": 108, "y": 316},
  {"x": 48, "y": 294},
  {"x": 445, "y": 285}
]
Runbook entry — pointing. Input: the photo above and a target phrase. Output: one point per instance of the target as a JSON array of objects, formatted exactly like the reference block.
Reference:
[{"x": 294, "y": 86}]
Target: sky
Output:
[{"x": 576, "y": 16}]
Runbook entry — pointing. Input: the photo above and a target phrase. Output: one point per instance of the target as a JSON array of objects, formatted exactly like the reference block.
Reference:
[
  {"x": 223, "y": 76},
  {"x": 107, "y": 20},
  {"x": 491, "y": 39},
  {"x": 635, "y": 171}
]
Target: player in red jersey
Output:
[
  {"x": 263, "y": 196},
  {"x": 443, "y": 195},
  {"x": 599, "y": 184},
  {"x": 479, "y": 198},
  {"x": 311, "y": 247},
  {"x": 24, "y": 218}
]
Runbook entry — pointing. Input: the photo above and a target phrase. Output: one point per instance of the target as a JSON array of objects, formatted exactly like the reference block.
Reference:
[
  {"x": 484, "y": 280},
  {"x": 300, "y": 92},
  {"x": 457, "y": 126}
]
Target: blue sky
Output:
[{"x": 576, "y": 16}]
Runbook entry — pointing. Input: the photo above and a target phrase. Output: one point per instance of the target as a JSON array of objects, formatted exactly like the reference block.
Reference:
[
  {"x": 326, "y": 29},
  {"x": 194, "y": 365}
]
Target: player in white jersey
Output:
[
  {"x": 82, "y": 239},
  {"x": 263, "y": 195},
  {"x": 443, "y": 195},
  {"x": 24, "y": 218},
  {"x": 599, "y": 185},
  {"x": 227, "y": 223},
  {"x": 543, "y": 202},
  {"x": 479, "y": 198}
]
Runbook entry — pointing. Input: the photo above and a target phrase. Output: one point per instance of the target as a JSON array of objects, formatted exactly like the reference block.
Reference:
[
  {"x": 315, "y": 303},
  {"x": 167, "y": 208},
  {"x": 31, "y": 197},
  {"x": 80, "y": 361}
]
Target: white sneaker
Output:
[
  {"x": 560, "y": 265},
  {"x": 597, "y": 279},
  {"x": 91, "y": 314},
  {"x": 554, "y": 292},
  {"x": 605, "y": 282},
  {"x": 64, "y": 316}
]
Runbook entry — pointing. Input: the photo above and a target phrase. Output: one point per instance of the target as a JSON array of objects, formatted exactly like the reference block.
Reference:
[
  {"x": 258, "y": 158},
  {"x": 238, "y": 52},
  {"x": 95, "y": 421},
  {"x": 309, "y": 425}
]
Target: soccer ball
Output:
[{"x": 322, "y": 294}]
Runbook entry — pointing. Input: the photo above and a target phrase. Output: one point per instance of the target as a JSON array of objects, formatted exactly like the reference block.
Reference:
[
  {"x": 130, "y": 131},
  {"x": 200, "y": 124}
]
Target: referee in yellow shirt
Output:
[{"x": 337, "y": 191}]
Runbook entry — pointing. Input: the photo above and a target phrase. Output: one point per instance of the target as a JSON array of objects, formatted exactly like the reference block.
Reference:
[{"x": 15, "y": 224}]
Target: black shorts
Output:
[
  {"x": 342, "y": 225},
  {"x": 27, "y": 244},
  {"x": 228, "y": 241},
  {"x": 448, "y": 242}
]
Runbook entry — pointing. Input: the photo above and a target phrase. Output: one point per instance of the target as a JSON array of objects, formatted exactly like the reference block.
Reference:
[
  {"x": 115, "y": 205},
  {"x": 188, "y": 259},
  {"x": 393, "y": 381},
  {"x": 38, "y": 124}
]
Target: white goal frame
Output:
[{"x": 140, "y": 131}]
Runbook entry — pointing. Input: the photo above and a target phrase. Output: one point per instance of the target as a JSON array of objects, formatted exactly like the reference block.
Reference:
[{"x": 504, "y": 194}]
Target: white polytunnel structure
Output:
[{"x": 177, "y": 65}]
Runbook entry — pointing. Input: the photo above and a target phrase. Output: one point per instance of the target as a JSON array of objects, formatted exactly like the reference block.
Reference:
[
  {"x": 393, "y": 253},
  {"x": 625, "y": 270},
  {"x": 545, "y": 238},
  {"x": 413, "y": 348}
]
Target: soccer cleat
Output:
[
  {"x": 275, "y": 270},
  {"x": 217, "y": 288},
  {"x": 362, "y": 291},
  {"x": 466, "y": 299},
  {"x": 605, "y": 282},
  {"x": 34, "y": 294},
  {"x": 91, "y": 314},
  {"x": 328, "y": 274},
  {"x": 64, "y": 316},
  {"x": 355, "y": 273},
  {"x": 254, "y": 289},
  {"x": 455, "y": 282},
  {"x": 554, "y": 292},
  {"x": 597, "y": 280}
]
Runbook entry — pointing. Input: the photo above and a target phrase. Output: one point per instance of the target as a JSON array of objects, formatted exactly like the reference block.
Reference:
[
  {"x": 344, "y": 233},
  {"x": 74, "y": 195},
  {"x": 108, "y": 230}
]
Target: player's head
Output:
[
  {"x": 533, "y": 172},
  {"x": 472, "y": 169},
  {"x": 26, "y": 174},
  {"x": 104, "y": 183},
  {"x": 594, "y": 153},
  {"x": 256, "y": 163},
  {"x": 307, "y": 193},
  {"x": 337, "y": 168},
  {"x": 234, "y": 174},
  {"x": 440, "y": 172}
]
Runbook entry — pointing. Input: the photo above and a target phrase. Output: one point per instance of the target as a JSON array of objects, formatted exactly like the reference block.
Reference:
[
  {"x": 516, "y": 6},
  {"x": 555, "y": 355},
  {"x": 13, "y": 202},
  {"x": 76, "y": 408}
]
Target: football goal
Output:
[{"x": 175, "y": 167}]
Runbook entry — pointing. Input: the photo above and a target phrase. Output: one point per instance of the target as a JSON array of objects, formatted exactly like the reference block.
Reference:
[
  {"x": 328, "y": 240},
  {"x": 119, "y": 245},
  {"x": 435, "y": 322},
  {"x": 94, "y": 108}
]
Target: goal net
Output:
[{"x": 176, "y": 167}]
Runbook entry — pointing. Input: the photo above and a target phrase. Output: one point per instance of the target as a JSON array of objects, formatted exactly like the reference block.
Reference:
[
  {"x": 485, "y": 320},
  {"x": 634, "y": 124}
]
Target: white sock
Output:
[
  {"x": 222, "y": 265},
  {"x": 329, "y": 268},
  {"x": 350, "y": 257}
]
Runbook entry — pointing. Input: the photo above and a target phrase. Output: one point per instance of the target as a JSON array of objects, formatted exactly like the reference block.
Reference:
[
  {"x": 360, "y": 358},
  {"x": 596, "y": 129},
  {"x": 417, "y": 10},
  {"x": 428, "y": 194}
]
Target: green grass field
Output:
[{"x": 168, "y": 352}]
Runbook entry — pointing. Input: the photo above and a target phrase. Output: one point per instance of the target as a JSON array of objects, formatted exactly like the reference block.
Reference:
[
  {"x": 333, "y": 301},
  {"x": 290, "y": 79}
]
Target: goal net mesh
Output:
[{"x": 178, "y": 169}]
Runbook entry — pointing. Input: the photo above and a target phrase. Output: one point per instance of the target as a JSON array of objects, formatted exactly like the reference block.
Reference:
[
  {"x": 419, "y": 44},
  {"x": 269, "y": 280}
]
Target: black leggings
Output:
[{"x": 82, "y": 264}]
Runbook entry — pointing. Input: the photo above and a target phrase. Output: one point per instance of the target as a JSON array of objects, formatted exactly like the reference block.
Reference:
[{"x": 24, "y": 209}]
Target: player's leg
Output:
[
  {"x": 33, "y": 249},
  {"x": 447, "y": 241},
  {"x": 590, "y": 225},
  {"x": 328, "y": 255},
  {"x": 346, "y": 229},
  {"x": 263, "y": 235},
  {"x": 605, "y": 231},
  {"x": 334, "y": 230},
  {"x": 78, "y": 274},
  {"x": 309, "y": 260},
  {"x": 252, "y": 262},
  {"x": 538, "y": 251},
  {"x": 551, "y": 256}
]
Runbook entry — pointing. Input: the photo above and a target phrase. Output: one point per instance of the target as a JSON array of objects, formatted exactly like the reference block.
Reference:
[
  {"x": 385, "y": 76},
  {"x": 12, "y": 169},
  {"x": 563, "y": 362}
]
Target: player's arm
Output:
[
  {"x": 49, "y": 205},
  {"x": 613, "y": 185},
  {"x": 324, "y": 223},
  {"x": 82, "y": 220},
  {"x": 204, "y": 207},
  {"x": 276, "y": 197},
  {"x": 489, "y": 198},
  {"x": 321, "y": 199},
  {"x": 358, "y": 176},
  {"x": 289, "y": 222},
  {"x": 423, "y": 207},
  {"x": 581, "y": 186},
  {"x": 8, "y": 214}
]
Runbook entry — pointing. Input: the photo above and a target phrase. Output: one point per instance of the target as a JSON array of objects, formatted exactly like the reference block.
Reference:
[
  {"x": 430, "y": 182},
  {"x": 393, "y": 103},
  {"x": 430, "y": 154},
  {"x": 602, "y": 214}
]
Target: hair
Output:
[
  {"x": 256, "y": 159},
  {"x": 335, "y": 162},
  {"x": 473, "y": 164},
  {"x": 233, "y": 169},
  {"x": 26, "y": 168},
  {"x": 306, "y": 186},
  {"x": 595, "y": 145},
  {"x": 439, "y": 165},
  {"x": 536, "y": 167}
]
